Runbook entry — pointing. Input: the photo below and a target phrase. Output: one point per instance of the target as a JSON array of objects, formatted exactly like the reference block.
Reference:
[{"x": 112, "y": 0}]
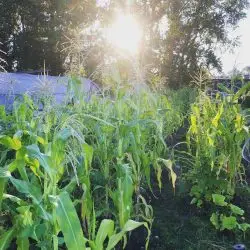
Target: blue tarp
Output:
[{"x": 13, "y": 85}]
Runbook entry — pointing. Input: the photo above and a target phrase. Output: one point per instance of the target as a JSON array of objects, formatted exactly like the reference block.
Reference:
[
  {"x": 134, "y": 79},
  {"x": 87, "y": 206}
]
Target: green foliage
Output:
[
  {"x": 215, "y": 137},
  {"x": 178, "y": 40},
  {"x": 230, "y": 221},
  {"x": 73, "y": 175}
]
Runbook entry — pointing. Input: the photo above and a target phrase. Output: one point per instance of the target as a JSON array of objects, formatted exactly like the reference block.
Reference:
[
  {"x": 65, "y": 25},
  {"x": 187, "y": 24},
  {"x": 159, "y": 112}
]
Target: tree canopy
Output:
[{"x": 179, "y": 36}]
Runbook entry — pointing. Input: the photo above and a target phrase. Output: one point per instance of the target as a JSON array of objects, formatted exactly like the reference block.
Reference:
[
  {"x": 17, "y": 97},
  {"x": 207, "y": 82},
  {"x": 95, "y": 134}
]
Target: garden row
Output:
[{"x": 77, "y": 176}]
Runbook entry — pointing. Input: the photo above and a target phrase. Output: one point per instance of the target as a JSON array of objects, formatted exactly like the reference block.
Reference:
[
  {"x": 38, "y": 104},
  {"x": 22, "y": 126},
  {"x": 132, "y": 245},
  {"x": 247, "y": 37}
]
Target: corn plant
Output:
[{"x": 73, "y": 175}]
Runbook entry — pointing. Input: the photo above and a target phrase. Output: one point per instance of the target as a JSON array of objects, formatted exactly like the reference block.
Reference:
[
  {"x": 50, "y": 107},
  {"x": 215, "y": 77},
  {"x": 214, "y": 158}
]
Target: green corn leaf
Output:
[
  {"x": 69, "y": 222},
  {"x": 88, "y": 156},
  {"x": 14, "y": 199},
  {"x": 4, "y": 173},
  {"x": 27, "y": 188},
  {"x": 12, "y": 143},
  {"x": 20, "y": 165},
  {"x": 44, "y": 160},
  {"x": 129, "y": 226},
  {"x": 6, "y": 239},
  {"x": 132, "y": 225},
  {"x": 63, "y": 134},
  {"x": 22, "y": 243},
  {"x": 115, "y": 239},
  {"x": 32, "y": 191},
  {"x": 106, "y": 229}
]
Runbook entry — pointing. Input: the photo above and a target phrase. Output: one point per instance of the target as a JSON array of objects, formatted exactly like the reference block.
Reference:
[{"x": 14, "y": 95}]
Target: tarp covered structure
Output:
[{"x": 13, "y": 85}]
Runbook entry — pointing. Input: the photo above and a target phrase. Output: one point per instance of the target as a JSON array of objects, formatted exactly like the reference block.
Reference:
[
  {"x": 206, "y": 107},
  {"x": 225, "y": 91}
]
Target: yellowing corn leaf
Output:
[
  {"x": 169, "y": 165},
  {"x": 12, "y": 143},
  {"x": 216, "y": 119}
]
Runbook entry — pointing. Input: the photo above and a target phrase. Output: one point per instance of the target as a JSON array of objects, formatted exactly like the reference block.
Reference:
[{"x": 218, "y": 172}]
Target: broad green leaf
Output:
[
  {"x": 115, "y": 239},
  {"x": 129, "y": 226},
  {"x": 12, "y": 143},
  {"x": 106, "y": 229},
  {"x": 63, "y": 134},
  {"x": 6, "y": 239},
  {"x": 236, "y": 210},
  {"x": 132, "y": 225},
  {"x": 229, "y": 223},
  {"x": 32, "y": 191},
  {"x": 14, "y": 199},
  {"x": 215, "y": 220},
  {"x": 71, "y": 186},
  {"x": 22, "y": 170},
  {"x": 27, "y": 188},
  {"x": 244, "y": 226},
  {"x": 4, "y": 173},
  {"x": 69, "y": 222},
  {"x": 219, "y": 200},
  {"x": 44, "y": 160}
]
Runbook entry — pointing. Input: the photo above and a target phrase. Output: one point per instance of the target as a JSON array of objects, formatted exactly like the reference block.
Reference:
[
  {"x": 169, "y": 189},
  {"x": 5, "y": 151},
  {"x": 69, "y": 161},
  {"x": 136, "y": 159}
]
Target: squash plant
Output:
[{"x": 217, "y": 132}]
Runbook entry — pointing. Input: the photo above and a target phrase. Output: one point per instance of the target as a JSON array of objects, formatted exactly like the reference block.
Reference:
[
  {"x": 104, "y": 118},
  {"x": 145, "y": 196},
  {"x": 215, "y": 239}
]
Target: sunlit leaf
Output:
[
  {"x": 219, "y": 200},
  {"x": 12, "y": 143},
  {"x": 69, "y": 222}
]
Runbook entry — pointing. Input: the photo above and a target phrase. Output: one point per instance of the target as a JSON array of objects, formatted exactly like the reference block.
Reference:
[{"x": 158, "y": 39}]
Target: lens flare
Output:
[{"x": 125, "y": 33}]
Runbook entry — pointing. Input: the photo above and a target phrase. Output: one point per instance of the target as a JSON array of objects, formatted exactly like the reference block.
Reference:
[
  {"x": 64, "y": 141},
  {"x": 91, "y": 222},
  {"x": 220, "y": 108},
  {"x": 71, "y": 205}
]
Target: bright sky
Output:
[{"x": 241, "y": 55}]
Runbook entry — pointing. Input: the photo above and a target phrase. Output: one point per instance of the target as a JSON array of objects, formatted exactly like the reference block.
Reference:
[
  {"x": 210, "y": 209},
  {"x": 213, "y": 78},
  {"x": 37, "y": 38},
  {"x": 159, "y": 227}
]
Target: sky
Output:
[{"x": 240, "y": 57}]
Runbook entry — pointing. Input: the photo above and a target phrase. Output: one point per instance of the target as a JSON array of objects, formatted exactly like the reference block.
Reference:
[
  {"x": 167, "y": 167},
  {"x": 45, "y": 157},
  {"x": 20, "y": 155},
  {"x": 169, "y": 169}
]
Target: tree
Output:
[
  {"x": 33, "y": 31},
  {"x": 192, "y": 32},
  {"x": 180, "y": 36},
  {"x": 195, "y": 29}
]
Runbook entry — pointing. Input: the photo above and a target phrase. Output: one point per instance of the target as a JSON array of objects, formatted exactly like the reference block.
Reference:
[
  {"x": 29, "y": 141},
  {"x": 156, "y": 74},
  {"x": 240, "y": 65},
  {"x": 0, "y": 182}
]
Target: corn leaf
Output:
[
  {"x": 169, "y": 165},
  {"x": 22, "y": 243},
  {"x": 6, "y": 239},
  {"x": 12, "y": 143},
  {"x": 105, "y": 230},
  {"x": 129, "y": 226},
  {"x": 69, "y": 222},
  {"x": 44, "y": 160}
]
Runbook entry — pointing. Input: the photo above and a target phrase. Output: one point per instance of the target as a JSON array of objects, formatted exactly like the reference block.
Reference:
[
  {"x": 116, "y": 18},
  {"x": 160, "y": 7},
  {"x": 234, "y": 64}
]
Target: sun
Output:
[{"x": 125, "y": 33}]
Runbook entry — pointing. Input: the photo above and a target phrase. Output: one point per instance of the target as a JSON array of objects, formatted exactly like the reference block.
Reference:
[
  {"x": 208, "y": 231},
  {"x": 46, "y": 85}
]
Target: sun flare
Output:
[{"x": 125, "y": 33}]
